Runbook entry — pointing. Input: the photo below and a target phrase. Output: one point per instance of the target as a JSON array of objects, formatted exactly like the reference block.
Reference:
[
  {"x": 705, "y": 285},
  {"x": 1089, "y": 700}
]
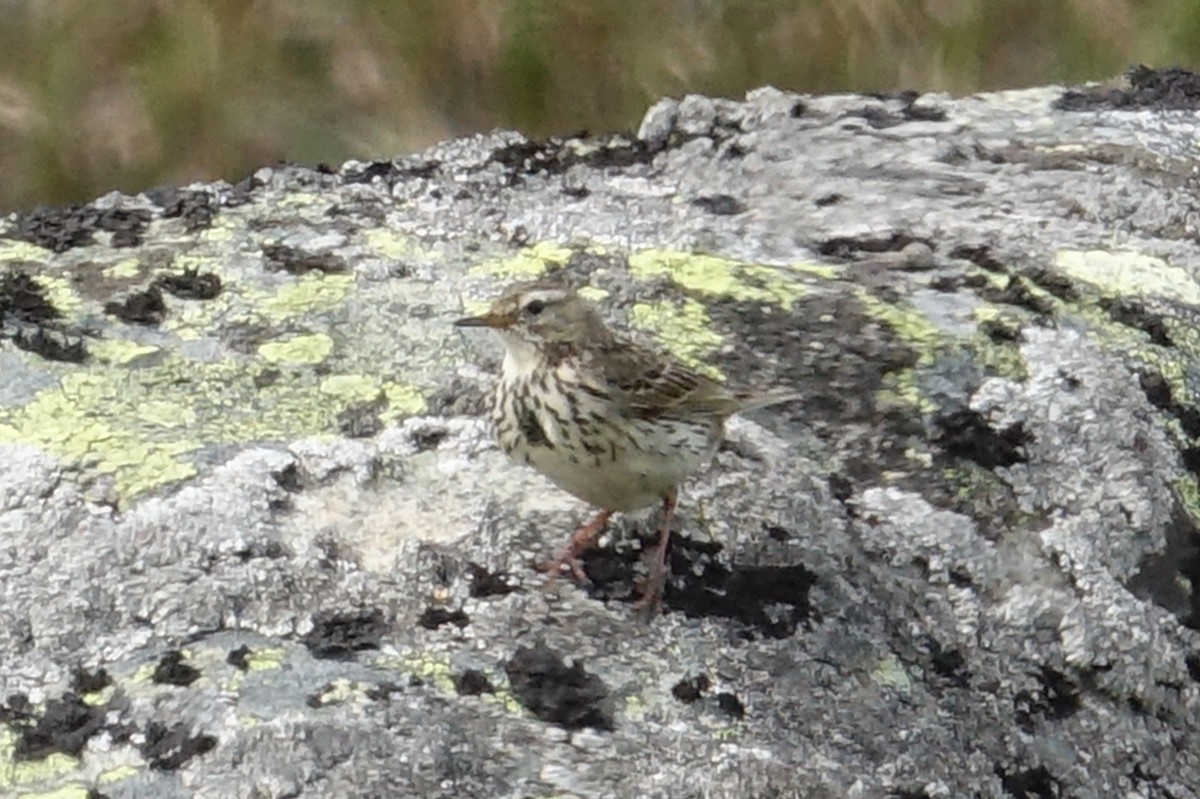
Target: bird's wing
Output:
[{"x": 649, "y": 385}]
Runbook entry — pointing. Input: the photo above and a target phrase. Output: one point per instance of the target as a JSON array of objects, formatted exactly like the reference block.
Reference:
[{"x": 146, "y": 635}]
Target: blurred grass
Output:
[{"x": 129, "y": 95}]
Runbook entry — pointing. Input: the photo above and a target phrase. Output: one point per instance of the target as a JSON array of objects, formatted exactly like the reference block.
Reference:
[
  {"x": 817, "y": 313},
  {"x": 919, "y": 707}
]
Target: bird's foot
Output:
[
  {"x": 651, "y": 588},
  {"x": 581, "y": 541},
  {"x": 657, "y": 569}
]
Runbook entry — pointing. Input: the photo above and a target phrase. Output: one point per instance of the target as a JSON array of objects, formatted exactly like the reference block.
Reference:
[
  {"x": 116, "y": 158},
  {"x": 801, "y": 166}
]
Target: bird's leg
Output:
[
  {"x": 581, "y": 541},
  {"x": 656, "y": 566}
]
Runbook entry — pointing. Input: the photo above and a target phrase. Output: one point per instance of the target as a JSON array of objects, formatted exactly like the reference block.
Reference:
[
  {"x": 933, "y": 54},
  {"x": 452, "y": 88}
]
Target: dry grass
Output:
[{"x": 145, "y": 92}]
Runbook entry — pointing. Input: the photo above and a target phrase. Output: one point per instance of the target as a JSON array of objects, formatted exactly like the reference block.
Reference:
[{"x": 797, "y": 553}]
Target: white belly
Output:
[{"x": 617, "y": 465}]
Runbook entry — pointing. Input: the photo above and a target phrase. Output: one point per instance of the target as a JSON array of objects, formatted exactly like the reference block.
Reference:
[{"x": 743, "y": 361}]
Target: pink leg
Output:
[
  {"x": 656, "y": 565},
  {"x": 581, "y": 541}
]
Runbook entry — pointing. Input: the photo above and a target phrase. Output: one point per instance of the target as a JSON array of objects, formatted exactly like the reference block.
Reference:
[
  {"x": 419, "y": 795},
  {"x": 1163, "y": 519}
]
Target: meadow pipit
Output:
[{"x": 612, "y": 422}]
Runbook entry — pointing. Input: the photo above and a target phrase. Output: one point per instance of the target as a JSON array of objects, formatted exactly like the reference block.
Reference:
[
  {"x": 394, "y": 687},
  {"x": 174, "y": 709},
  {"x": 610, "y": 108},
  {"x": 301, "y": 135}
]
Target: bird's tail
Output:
[{"x": 751, "y": 402}]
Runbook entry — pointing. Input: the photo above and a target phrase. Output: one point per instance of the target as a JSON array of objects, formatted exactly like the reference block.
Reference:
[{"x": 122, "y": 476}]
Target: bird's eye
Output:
[{"x": 535, "y": 307}]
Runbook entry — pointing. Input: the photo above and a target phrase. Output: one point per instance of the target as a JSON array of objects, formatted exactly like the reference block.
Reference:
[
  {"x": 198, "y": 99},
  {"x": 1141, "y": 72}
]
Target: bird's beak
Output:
[{"x": 484, "y": 320}]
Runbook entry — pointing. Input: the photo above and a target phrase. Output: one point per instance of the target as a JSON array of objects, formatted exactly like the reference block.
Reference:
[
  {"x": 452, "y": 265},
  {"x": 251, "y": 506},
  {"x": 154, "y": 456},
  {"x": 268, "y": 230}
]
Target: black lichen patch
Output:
[
  {"x": 65, "y": 725},
  {"x": 89, "y": 682},
  {"x": 1159, "y": 573},
  {"x": 338, "y": 635},
  {"x": 197, "y": 209},
  {"x": 172, "y": 670},
  {"x": 1159, "y": 394},
  {"x": 281, "y": 258},
  {"x": 1055, "y": 699},
  {"x": 433, "y": 618},
  {"x": 383, "y": 691},
  {"x": 554, "y": 156},
  {"x": 392, "y": 172},
  {"x": 557, "y": 693},
  {"x": 362, "y": 419},
  {"x": 1174, "y": 89},
  {"x": 690, "y": 689},
  {"x": 140, "y": 308},
  {"x": 1017, "y": 293},
  {"x": 982, "y": 257},
  {"x": 852, "y": 248},
  {"x": 190, "y": 284},
  {"x": 288, "y": 478},
  {"x": 459, "y": 397},
  {"x": 966, "y": 434},
  {"x": 770, "y": 601},
  {"x": 239, "y": 658},
  {"x": 170, "y": 748},
  {"x": 472, "y": 682},
  {"x": 22, "y": 299},
  {"x": 66, "y": 227},
  {"x": 949, "y": 665},
  {"x": 1054, "y": 283},
  {"x": 1193, "y": 665},
  {"x": 720, "y": 205},
  {"x": 429, "y": 438},
  {"x": 1035, "y": 783},
  {"x": 765, "y": 601},
  {"x": 485, "y": 583},
  {"x": 730, "y": 705},
  {"x": 881, "y": 118},
  {"x": 838, "y": 358},
  {"x": 52, "y": 345},
  {"x": 1132, "y": 313},
  {"x": 29, "y": 319}
]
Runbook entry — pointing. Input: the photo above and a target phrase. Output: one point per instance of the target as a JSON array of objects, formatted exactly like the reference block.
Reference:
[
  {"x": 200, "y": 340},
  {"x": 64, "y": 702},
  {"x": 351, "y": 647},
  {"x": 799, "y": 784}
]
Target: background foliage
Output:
[{"x": 97, "y": 96}]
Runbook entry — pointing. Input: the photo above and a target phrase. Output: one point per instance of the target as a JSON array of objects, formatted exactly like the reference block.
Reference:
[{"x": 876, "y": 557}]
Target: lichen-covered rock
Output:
[{"x": 255, "y": 540}]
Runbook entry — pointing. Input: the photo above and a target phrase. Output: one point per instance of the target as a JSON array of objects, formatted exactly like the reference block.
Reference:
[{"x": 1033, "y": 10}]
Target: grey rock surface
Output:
[{"x": 258, "y": 542}]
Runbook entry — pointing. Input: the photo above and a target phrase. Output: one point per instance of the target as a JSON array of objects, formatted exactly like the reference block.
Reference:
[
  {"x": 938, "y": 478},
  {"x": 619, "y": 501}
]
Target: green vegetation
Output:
[{"x": 97, "y": 96}]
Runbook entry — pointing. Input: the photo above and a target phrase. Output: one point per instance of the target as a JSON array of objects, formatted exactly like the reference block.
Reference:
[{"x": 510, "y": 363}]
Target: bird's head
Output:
[{"x": 539, "y": 319}]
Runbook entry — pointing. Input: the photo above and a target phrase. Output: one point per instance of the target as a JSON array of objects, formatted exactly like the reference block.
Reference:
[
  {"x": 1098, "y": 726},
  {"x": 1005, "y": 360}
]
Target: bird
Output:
[{"x": 618, "y": 424}]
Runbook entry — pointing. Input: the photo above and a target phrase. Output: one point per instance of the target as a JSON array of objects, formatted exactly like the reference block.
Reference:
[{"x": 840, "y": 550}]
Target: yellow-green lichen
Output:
[
  {"x": 389, "y": 244},
  {"x": 60, "y": 293},
  {"x": 99, "y": 698},
  {"x": 900, "y": 391},
  {"x": 340, "y": 691},
  {"x": 302, "y": 199},
  {"x": 823, "y": 271},
  {"x": 721, "y": 277},
  {"x": 505, "y": 699},
  {"x": 890, "y": 673},
  {"x": 684, "y": 328},
  {"x": 352, "y": 388},
  {"x": 635, "y": 707},
  {"x": 1125, "y": 274},
  {"x": 908, "y": 323},
  {"x": 26, "y": 772},
  {"x": 1187, "y": 490},
  {"x": 403, "y": 400},
  {"x": 119, "y": 352},
  {"x": 12, "y": 250},
  {"x": 307, "y": 349},
  {"x": 116, "y": 775},
  {"x": 593, "y": 294},
  {"x": 223, "y": 230},
  {"x": 436, "y": 672},
  {"x": 72, "y": 791},
  {"x": 529, "y": 263},
  {"x": 313, "y": 292},
  {"x": 126, "y": 268},
  {"x": 141, "y": 424},
  {"x": 265, "y": 658}
]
